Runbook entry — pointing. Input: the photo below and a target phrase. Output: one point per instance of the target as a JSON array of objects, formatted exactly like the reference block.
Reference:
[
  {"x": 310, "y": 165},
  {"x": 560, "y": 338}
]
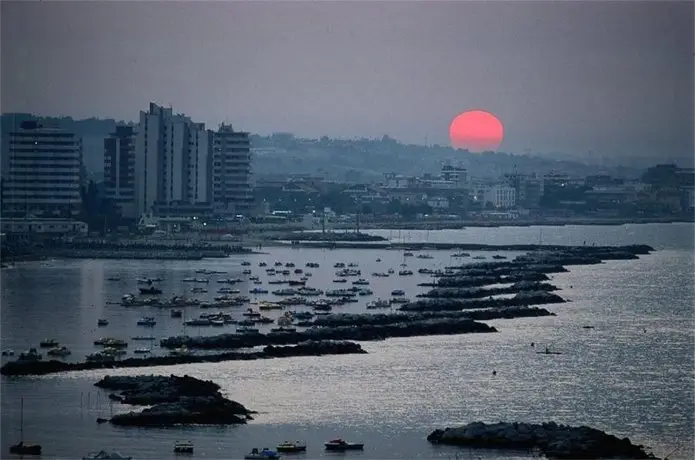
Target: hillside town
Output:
[{"x": 170, "y": 174}]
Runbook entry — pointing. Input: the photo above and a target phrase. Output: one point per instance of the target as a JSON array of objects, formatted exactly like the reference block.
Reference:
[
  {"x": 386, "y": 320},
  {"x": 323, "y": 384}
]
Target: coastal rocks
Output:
[
  {"x": 307, "y": 348},
  {"x": 315, "y": 348},
  {"x": 443, "y": 293},
  {"x": 553, "y": 440},
  {"x": 362, "y": 319},
  {"x": 436, "y": 326},
  {"x": 146, "y": 390},
  {"x": 175, "y": 401},
  {"x": 523, "y": 298},
  {"x": 462, "y": 279}
]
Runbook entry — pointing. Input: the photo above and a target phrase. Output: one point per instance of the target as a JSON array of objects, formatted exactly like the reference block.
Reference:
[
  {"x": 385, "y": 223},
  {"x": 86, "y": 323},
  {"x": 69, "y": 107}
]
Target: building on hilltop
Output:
[
  {"x": 172, "y": 163},
  {"x": 44, "y": 174},
  {"x": 232, "y": 189},
  {"x": 119, "y": 169}
]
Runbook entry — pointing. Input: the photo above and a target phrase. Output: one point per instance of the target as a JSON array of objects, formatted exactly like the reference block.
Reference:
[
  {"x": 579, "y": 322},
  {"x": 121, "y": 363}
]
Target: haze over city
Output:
[{"x": 565, "y": 78}]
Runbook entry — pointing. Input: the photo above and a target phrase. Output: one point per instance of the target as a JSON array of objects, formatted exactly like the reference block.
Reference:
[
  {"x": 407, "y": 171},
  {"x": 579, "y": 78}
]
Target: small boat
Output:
[
  {"x": 113, "y": 278},
  {"x": 143, "y": 337},
  {"x": 102, "y": 322},
  {"x": 291, "y": 447},
  {"x": 265, "y": 454},
  {"x": 400, "y": 300},
  {"x": 142, "y": 351},
  {"x": 340, "y": 444},
  {"x": 498, "y": 257},
  {"x": 150, "y": 290},
  {"x": 397, "y": 292},
  {"x": 8, "y": 352},
  {"x": 176, "y": 313},
  {"x": 103, "y": 455},
  {"x": 183, "y": 447},
  {"x": 246, "y": 263},
  {"x": 25, "y": 449},
  {"x": 378, "y": 304},
  {"x": 147, "y": 321},
  {"x": 59, "y": 351},
  {"x": 547, "y": 351},
  {"x": 48, "y": 343},
  {"x": 20, "y": 448}
]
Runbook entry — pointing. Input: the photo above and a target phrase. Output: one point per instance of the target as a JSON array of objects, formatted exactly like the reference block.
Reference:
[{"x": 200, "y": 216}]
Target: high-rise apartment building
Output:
[
  {"x": 44, "y": 173},
  {"x": 119, "y": 169},
  {"x": 172, "y": 161},
  {"x": 232, "y": 192}
]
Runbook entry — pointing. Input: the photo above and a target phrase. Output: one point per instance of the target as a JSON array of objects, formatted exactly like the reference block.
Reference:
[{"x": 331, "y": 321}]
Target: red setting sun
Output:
[{"x": 476, "y": 130}]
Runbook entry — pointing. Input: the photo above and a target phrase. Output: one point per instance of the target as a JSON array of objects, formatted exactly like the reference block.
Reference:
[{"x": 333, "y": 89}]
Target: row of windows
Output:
[
  {"x": 51, "y": 181},
  {"x": 66, "y": 159},
  {"x": 45, "y": 174},
  {"x": 56, "y": 196},
  {"x": 31, "y": 166}
]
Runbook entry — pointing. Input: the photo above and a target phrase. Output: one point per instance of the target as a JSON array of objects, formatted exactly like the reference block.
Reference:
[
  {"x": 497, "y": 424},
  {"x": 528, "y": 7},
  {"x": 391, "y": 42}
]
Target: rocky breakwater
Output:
[
  {"x": 369, "y": 319},
  {"x": 174, "y": 401},
  {"x": 405, "y": 328},
  {"x": 553, "y": 440},
  {"x": 524, "y": 298},
  {"x": 478, "y": 292},
  {"x": 308, "y": 348}
]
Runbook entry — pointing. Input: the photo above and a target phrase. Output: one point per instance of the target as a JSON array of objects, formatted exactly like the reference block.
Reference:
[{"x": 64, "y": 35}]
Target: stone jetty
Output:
[
  {"x": 174, "y": 401},
  {"x": 369, "y": 319},
  {"x": 524, "y": 298},
  {"x": 553, "y": 440},
  {"x": 308, "y": 348},
  {"x": 435, "y": 326}
]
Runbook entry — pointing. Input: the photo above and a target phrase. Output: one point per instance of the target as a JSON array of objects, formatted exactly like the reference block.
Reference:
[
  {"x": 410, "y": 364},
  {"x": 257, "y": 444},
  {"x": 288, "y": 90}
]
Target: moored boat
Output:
[
  {"x": 104, "y": 455},
  {"x": 183, "y": 447},
  {"x": 102, "y": 322},
  {"x": 341, "y": 444},
  {"x": 291, "y": 447},
  {"x": 264, "y": 454},
  {"x": 48, "y": 343}
]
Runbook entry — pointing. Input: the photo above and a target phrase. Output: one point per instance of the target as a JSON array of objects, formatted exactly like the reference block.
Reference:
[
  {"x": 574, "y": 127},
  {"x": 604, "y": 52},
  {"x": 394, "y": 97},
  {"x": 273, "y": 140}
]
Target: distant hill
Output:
[
  {"x": 366, "y": 160},
  {"x": 361, "y": 160}
]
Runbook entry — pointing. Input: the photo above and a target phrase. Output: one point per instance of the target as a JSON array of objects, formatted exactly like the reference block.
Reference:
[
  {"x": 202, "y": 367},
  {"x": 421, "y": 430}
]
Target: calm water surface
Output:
[{"x": 632, "y": 375}]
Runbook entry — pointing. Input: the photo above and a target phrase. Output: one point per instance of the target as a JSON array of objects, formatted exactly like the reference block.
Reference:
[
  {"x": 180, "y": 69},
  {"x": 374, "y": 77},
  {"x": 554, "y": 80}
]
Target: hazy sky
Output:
[{"x": 612, "y": 77}]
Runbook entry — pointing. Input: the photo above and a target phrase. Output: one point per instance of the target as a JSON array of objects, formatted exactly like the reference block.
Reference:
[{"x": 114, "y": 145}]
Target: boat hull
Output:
[
  {"x": 348, "y": 446},
  {"x": 25, "y": 449},
  {"x": 291, "y": 449}
]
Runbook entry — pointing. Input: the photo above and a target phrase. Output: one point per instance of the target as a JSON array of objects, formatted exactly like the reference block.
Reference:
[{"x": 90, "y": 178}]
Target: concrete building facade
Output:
[
  {"x": 172, "y": 161},
  {"x": 119, "y": 169},
  {"x": 232, "y": 188},
  {"x": 44, "y": 172}
]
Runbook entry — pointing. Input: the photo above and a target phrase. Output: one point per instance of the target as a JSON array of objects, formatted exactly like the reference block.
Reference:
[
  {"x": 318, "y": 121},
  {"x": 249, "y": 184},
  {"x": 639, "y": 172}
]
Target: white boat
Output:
[
  {"x": 104, "y": 455},
  {"x": 183, "y": 447},
  {"x": 142, "y": 351},
  {"x": 291, "y": 447}
]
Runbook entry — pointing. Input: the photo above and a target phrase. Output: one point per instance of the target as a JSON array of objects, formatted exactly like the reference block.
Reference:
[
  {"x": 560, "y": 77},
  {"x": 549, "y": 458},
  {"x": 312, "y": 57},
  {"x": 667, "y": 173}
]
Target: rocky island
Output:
[
  {"x": 553, "y": 440},
  {"x": 174, "y": 401}
]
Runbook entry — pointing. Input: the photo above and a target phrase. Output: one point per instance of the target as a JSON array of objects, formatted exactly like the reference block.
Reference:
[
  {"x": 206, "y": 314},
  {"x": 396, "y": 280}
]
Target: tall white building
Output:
[
  {"x": 172, "y": 161},
  {"x": 44, "y": 172},
  {"x": 232, "y": 191}
]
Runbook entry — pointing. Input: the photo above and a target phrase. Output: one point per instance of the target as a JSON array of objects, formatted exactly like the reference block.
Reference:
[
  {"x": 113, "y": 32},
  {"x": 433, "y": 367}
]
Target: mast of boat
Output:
[{"x": 21, "y": 420}]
